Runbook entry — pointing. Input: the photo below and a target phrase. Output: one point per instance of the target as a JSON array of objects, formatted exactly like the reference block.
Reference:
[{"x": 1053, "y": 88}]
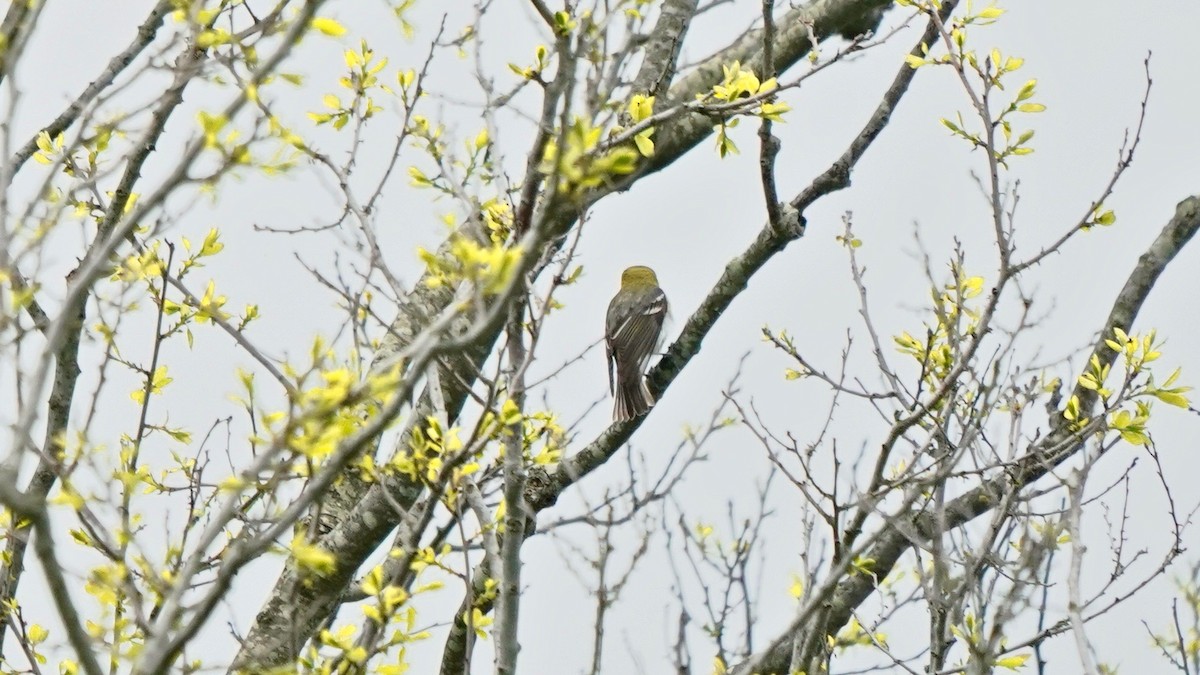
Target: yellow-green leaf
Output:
[
  {"x": 328, "y": 26},
  {"x": 1013, "y": 662}
]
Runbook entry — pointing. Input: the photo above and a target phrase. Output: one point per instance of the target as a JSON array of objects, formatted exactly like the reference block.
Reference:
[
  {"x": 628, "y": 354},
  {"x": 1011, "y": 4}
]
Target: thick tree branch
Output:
[
  {"x": 18, "y": 24},
  {"x": 1062, "y": 443},
  {"x": 146, "y": 33},
  {"x": 848, "y": 18},
  {"x": 294, "y": 609},
  {"x": 509, "y": 582},
  {"x": 543, "y": 488},
  {"x": 771, "y": 240},
  {"x": 65, "y": 332},
  {"x": 661, "y": 53}
]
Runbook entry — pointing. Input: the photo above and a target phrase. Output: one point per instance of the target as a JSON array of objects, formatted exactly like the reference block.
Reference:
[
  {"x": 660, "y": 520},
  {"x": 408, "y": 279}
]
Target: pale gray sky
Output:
[{"x": 692, "y": 218}]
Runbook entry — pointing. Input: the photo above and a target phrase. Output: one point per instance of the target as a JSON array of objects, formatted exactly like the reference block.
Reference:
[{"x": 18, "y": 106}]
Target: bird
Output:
[{"x": 633, "y": 328}]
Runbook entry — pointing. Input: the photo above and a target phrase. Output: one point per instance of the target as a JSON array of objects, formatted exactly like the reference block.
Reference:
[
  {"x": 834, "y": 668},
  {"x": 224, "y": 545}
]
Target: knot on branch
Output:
[
  {"x": 788, "y": 223},
  {"x": 538, "y": 494},
  {"x": 1188, "y": 208}
]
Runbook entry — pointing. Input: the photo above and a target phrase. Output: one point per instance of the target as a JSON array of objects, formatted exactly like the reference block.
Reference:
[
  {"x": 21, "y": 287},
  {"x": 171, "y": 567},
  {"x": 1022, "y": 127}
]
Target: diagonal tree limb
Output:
[
  {"x": 146, "y": 33},
  {"x": 661, "y": 53},
  {"x": 14, "y": 31},
  {"x": 64, "y": 332},
  {"x": 544, "y": 488},
  {"x": 772, "y": 239},
  {"x": 1061, "y": 444},
  {"x": 69, "y": 324},
  {"x": 370, "y": 509}
]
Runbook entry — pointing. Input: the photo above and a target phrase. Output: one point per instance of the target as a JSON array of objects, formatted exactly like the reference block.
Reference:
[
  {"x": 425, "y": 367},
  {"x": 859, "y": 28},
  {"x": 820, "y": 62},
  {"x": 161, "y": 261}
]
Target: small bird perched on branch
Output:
[{"x": 632, "y": 333}]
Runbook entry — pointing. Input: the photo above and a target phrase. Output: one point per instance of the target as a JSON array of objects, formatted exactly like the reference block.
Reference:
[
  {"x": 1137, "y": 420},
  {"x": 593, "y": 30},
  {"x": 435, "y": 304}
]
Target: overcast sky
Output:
[{"x": 689, "y": 220}]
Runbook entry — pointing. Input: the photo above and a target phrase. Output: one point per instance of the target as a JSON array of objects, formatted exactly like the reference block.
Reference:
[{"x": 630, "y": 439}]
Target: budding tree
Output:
[{"x": 302, "y": 379}]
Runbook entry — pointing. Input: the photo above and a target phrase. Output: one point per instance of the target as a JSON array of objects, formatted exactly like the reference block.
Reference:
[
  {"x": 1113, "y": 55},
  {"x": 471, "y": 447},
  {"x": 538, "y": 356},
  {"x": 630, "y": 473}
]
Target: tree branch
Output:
[
  {"x": 1062, "y": 443},
  {"x": 294, "y": 609},
  {"x": 661, "y": 53}
]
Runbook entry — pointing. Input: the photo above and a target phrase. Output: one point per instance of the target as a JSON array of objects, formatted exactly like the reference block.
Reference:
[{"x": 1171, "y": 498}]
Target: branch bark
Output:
[
  {"x": 661, "y": 53},
  {"x": 1061, "y": 444},
  {"x": 145, "y": 35},
  {"x": 68, "y": 326},
  {"x": 294, "y": 610}
]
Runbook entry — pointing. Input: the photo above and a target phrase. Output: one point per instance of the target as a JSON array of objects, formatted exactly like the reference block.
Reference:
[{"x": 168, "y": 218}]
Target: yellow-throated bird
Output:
[{"x": 632, "y": 331}]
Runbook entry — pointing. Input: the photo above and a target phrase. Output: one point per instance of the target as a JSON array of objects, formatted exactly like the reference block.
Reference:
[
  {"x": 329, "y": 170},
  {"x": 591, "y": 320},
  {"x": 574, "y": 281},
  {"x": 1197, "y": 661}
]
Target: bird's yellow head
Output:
[{"x": 638, "y": 276}]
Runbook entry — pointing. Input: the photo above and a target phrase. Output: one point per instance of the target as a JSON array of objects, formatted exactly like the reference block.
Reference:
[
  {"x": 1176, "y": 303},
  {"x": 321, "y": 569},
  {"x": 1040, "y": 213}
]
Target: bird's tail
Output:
[{"x": 633, "y": 398}]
